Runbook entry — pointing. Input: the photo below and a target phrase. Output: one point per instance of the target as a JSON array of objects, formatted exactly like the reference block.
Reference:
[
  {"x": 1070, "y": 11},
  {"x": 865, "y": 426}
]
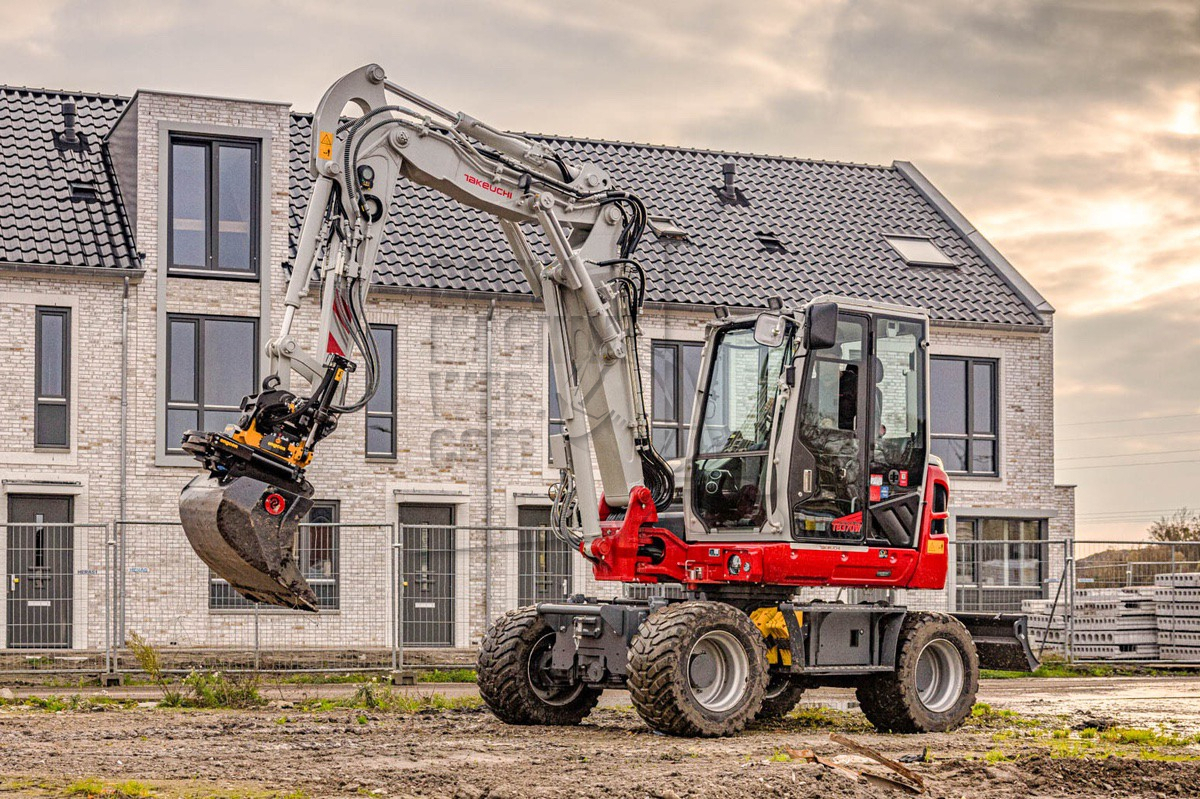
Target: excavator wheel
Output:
[
  {"x": 512, "y": 674},
  {"x": 780, "y": 698},
  {"x": 936, "y": 678},
  {"x": 698, "y": 669}
]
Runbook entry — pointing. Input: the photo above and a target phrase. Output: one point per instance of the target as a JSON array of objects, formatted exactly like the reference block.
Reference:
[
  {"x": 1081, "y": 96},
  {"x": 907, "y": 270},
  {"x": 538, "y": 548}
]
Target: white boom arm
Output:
[{"x": 591, "y": 288}]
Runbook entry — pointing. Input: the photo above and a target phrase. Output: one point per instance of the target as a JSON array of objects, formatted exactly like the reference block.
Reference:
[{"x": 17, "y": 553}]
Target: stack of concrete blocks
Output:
[
  {"x": 1109, "y": 624},
  {"x": 1177, "y": 604}
]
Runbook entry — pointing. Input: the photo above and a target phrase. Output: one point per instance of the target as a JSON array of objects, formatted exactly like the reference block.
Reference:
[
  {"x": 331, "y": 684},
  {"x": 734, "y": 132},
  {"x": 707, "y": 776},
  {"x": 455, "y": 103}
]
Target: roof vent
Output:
[
  {"x": 729, "y": 193},
  {"x": 771, "y": 243},
  {"x": 665, "y": 228},
  {"x": 919, "y": 251},
  {"x": 68, "y": 138},
  {"x": 84, "y": 190}
]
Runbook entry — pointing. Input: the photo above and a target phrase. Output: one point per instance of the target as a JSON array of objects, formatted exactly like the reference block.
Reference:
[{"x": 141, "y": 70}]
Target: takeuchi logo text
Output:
[{"x": 486, "y": 186}]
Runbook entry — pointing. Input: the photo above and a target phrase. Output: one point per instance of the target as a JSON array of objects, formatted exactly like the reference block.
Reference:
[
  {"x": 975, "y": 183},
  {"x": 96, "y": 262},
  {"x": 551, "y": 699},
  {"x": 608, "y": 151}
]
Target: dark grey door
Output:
[
  {"x": 543, "y": 559},
  {"x": 428, "y": 574},
  {"x": 40, "y": 571}
]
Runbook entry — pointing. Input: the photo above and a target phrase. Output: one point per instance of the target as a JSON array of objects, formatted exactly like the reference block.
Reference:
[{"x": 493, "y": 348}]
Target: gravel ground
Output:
[{"x": 467, "y": 753}]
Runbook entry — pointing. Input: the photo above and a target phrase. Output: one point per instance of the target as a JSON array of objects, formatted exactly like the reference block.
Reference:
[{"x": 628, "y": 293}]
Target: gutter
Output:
[
  {"x": 64, "y": 270},
  {"x": 487, "y": 463}
]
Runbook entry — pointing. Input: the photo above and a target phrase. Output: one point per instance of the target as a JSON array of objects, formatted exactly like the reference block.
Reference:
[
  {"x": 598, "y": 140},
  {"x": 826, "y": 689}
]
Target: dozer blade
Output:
[
  {"x": 245, "y": 530},
  {"x": 1001, "y": 639}
]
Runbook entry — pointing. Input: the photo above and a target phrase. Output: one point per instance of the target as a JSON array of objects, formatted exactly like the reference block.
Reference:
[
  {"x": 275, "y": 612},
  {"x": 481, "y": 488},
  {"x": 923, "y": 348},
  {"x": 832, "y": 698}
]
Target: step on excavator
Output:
[{"x": 808, "y": 466}]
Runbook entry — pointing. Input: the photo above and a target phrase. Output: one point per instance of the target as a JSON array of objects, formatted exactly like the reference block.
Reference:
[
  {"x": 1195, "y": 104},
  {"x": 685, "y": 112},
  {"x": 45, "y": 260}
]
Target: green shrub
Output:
[{"x": 216, "y": 690}]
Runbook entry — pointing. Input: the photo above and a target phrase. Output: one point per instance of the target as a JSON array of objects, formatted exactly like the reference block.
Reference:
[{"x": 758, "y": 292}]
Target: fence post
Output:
[
  {"x": 398, "y": 603},
  {"x": 257, "y": 661},
  {"x": 109, "y": 545},
  {"x": 1068, "y": 645}
]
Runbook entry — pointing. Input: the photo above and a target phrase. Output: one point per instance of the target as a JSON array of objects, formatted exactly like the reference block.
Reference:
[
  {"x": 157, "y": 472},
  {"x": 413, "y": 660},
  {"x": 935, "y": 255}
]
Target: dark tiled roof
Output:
[
  {"x": 39, "y": 222},
  {"x": 830, "y": 217}
]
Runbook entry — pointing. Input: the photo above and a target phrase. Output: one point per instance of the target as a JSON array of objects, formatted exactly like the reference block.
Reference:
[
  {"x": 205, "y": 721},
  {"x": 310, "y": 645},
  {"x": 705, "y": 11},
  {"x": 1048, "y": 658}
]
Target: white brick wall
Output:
[{"x": 441, "y": 423}]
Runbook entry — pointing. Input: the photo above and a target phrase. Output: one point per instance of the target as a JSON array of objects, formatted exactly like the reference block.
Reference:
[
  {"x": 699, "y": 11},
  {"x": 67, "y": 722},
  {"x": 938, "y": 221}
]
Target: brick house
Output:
[{"x": 142, "y": 265}]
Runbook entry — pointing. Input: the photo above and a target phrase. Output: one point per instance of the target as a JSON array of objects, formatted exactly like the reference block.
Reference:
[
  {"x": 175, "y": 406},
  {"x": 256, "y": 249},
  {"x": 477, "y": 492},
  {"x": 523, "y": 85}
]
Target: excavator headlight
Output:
[{"x": 734, "y": 563}]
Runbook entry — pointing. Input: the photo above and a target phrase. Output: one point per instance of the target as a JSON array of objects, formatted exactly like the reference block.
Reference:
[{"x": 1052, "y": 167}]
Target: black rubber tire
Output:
[
  {"x": 782, "y": 693},
  {"x": 659, "y": 660},
  {"x": 504, "y": 674},
  {"x": 891, "y": 701}
]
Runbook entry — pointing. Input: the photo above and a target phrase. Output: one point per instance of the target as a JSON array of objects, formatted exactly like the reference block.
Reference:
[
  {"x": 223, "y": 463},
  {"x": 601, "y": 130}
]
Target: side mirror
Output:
[
  {"x": 769, "y": 329},
  {"x": 820, "y": 326}
]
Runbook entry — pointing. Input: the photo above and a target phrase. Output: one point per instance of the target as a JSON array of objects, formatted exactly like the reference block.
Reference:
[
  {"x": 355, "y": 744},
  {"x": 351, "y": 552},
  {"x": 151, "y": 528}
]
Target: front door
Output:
[
  {"x": 40, "y": 571},
  {"x": 543, "y": 559},
  {"x": 428, "y": 574}
]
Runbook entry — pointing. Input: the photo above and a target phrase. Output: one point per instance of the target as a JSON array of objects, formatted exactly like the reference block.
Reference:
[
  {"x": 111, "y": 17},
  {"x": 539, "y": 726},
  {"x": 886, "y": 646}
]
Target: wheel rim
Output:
[
  {"x": 940, "y": 675},
  {"x": 535, "y": 672},
  {"x": 718, "y": 669}
]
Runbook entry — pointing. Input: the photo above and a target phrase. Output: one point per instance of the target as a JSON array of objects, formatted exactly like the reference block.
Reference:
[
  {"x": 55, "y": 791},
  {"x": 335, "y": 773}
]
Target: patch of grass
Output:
[
  {"x": 996, "y": 756},
  {"x": 822, "y": 717},
  {"x": 446, "y": 675},
  {"x": 1087, "y": 733},
  {"x": 1141, "y": 737},
  {"x": 384, "y": 699},
  {"x": 217, "y": 690},
  {"x": 780, "y": 756},
  {"x": 90, "y": 786},
  {"x": 74, "y": 702},
  {"x": 985, "y": 715}
]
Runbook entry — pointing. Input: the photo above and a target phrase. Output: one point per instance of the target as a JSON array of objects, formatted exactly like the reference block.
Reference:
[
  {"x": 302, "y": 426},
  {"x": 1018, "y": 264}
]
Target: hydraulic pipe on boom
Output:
[{"x": 242, "y": 516}]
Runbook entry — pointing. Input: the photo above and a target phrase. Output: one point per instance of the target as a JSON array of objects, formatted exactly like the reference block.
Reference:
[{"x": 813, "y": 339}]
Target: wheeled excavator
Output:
[{"x": 808, "y": 465}]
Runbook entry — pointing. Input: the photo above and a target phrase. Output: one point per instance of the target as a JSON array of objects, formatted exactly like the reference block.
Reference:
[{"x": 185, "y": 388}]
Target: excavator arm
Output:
[{"x": 242, "y": 516}]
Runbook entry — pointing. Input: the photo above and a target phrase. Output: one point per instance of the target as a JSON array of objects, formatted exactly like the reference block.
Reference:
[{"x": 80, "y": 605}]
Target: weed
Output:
[
  {"x": 780, "y": 756},
  {"x": 215, "y": 690},
  {"x": 362, "y": 718},
  {"x": 984, "y": 714},
  {"x": 1141, "y": 737},
  {"x": 147, "y": 658},
  {"x": 996, "y": 756},
  {"x": 1088, "y": 733}
]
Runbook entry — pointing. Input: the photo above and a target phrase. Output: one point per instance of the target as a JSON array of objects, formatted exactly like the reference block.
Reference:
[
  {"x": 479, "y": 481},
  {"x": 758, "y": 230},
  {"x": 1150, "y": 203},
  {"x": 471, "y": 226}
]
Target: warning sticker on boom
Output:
[{"x": 325, "y": 146}]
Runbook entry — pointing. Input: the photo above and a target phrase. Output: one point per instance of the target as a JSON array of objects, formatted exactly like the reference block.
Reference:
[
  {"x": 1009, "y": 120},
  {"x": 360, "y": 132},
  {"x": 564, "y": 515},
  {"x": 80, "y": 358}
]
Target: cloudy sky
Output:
[{"x": 1068, "y": 131}]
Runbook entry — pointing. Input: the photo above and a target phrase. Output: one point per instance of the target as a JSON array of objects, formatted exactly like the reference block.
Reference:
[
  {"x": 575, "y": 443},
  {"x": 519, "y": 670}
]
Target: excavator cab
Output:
[{"x": 812, "y": 427}]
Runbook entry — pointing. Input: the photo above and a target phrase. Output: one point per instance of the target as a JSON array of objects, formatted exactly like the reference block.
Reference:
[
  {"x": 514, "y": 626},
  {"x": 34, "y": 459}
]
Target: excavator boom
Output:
[{"x": 242, "y": 516}]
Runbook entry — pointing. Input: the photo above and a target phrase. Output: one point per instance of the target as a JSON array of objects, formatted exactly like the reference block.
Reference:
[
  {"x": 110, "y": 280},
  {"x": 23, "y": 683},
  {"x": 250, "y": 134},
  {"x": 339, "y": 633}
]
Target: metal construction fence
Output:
[{"x": 422, "y": 595}]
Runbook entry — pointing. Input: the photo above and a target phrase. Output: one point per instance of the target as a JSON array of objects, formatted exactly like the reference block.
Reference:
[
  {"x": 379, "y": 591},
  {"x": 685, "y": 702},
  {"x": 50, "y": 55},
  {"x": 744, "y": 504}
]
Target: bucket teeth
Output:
[{"x": 229, "y": 526}]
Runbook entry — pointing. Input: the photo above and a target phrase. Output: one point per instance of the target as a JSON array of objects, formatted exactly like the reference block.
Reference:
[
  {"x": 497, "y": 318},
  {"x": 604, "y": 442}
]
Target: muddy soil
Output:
[{"x": 468, "y": 753}]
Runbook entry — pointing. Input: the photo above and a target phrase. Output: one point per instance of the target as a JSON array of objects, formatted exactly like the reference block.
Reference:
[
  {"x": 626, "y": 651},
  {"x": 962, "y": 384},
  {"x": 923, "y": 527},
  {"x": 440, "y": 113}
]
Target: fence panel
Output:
[
  {"x": 170, "y": 598},
  {"x": 56, "y": 585}
]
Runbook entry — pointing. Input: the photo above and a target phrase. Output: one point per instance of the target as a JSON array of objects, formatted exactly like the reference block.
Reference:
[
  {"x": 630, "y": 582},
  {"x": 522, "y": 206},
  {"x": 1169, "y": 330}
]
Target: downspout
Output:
[
  {"x": 487, "y": 463},
  {"x": 124, "y": 399},
  {"x": 123, "y": 450}
]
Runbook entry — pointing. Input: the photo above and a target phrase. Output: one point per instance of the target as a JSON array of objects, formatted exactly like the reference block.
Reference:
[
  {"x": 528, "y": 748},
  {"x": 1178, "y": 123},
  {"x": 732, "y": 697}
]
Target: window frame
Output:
[
  {"x": 212, "y": 208},
  {"x": 236, "y": 603},
  {"x": 971, "y": 436},
  {"x": 682, "y": 429},
  {"x": 198, "y": 355},
  {"x": 370, "y": 414},
  {"x": 39, "y": 398},
  {"x": 977, "y": 542}
]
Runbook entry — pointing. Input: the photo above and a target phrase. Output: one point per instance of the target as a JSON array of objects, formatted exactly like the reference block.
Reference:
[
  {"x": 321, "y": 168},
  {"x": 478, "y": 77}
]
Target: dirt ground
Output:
[{"x": 1139, "y": 745}]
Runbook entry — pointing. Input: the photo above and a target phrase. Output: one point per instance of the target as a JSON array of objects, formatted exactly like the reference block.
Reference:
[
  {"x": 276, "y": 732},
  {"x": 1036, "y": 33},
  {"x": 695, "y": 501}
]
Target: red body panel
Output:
[{"x": 615, "y": 555}]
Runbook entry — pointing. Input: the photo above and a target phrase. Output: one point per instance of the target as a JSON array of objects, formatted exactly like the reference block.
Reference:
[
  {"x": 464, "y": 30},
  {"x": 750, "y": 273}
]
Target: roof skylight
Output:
[
  {"x": 919, "y": 251},
  {"x": 665, "y": 228}
]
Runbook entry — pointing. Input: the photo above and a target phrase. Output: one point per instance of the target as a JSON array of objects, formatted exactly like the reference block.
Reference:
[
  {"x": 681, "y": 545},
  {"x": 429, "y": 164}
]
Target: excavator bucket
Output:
[
  {"x": 1001, "y": 639},
  {"x": 245, "y": 530}
]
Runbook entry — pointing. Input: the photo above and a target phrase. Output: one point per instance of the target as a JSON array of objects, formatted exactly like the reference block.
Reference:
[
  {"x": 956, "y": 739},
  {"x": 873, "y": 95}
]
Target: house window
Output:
[
  {"x": 381, "y": 410},
  {"x": 963, "y": 419},
  {"x": 52, "y": 372},
  {"x": 212, "y": 206},
  {"x": 317, "y": 556},
  {"x": 212, "y": 362},
  {"x": 1000, "y": 553},
  {"x": 676, "y": 367}
]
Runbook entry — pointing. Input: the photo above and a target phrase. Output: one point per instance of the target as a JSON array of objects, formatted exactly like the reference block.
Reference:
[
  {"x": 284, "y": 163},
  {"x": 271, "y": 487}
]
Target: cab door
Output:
[
  {"x": 827, "y": 477},
  {"x": 897, "y": 430}
]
